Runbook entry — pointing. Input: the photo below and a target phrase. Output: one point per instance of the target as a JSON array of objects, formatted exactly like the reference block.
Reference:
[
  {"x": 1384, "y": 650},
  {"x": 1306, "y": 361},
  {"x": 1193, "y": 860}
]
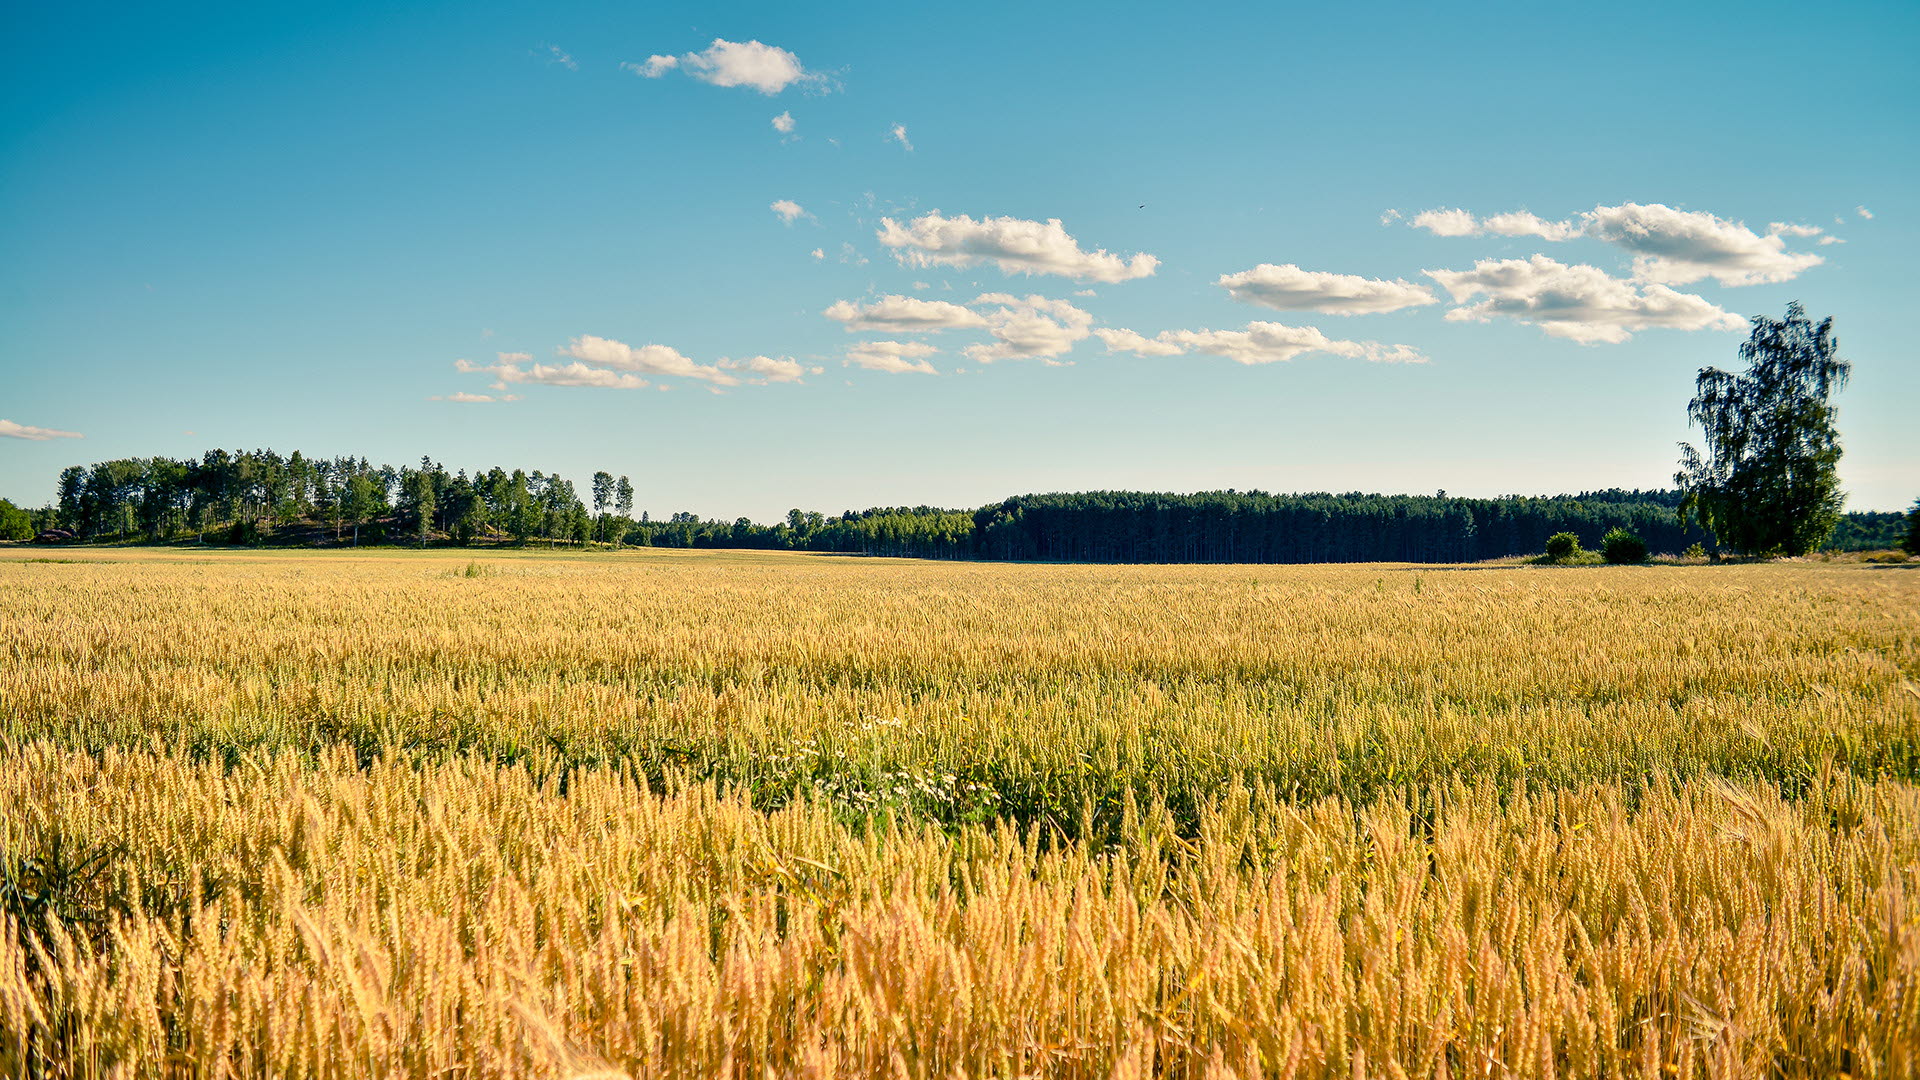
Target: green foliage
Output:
[
  {"x": 1563, "y": 545},
  {"x": 15, "y": 523},
  {"x": 291, "y": 499},
  {"x": 1695, "y": 551},
  {"x": 1912, "y": 542},
  {"x": 1768, "y": 483},
  {"x": 420, "y": 496},
  {"x": 1868, "y": 530},
  {"x": 1620, "y": 546}
]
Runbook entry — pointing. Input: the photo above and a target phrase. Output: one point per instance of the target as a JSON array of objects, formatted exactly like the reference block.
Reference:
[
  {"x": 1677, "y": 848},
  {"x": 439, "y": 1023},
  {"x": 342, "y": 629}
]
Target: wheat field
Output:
[{"x": 676, "y": 814}]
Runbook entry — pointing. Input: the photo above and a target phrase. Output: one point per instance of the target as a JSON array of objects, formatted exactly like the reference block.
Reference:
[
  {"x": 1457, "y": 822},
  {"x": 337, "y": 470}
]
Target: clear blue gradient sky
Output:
[{"x": 261, "y": 225}]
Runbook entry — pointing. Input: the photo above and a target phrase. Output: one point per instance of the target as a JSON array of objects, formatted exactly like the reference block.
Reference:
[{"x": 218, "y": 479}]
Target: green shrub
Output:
[
  {"x": 1695, "y": 551},
  {"x": 1563, "y": 545},
  {"x": 1621, "y": 546}
]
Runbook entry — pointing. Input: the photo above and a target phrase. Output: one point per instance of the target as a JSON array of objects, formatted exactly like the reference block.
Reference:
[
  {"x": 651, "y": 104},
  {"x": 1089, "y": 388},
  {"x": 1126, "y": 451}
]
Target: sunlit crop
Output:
[{"x": 666, "y": 814}]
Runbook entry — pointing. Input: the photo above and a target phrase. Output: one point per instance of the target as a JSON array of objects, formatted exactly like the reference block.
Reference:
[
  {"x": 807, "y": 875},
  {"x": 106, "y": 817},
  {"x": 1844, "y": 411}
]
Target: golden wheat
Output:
[{"x": 663, "y": 814}]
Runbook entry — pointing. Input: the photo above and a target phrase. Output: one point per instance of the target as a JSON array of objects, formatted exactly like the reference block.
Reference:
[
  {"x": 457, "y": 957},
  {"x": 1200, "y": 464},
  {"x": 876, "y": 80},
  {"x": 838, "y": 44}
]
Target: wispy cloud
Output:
[
  {"x": 1289, "y": 288},
  {"x": 1259, "y": 343},
  {"x": 575, "y": 374},
  {"x": 1029, "y": 327},
  {"x": 894, "y": 357},
  {"x": 557, "y": 55},
  {"x": 11, "y": 430},
  {"x": 899, "y": 134},
  {"x": 646, "y": 359},
  {"x": 784, "y": 123},
  {"x": 788, "y": 210},
  {"x": 1013, "y": 244},
  {"x": 903, "y": 314},
  {"x": 655, "y": 66},
  {"x": 473, "y": 399},
  {"x": 1458, "y": 222},
  {"x": 761, "y": 370}
]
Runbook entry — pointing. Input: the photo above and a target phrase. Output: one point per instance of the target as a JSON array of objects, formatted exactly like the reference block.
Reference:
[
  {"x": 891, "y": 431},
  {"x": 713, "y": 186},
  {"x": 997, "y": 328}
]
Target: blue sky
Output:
[{"x": 316, "y": 228}]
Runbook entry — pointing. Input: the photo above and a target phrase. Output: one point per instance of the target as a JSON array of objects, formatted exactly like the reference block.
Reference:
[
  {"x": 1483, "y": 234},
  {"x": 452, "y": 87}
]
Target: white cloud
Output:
[
  {"x": 1863, "y": 212},
  {"x": 767, "y": 369},
  {"x": 903, "y": 314},
  {"x": 766, "y": 68},
  {"x": 896, "y": 357},
  {"x": 788, "y": 210},
  {"x": 899, "y": 135},
  {"x": 607, "y": 364},
  {"x": 1525, "y": 223},
  {"x": 1825, "y": 240},
  {"x": 1374, "y": 352},
  {"x": 818, "y": 254},
  {"x": 1259, "y": 343},
  {"x": 1446, "y": 222},
  {"x": 1032, "y": 327},
  {"x": 579, "y": 374},
  {"x": 1670, "y": 247},
  {"x": 1674, "y": 247},
  {"x": 1289, "y": 288},
  {"x": 1085, "y": 292},
  {"x": 655, "y": 66},
  {"x": 784, "y": 123},
  {"x": 1127, "y": 341},
  {"x": 1514, "y": 223},
  {"x": 11, "y": 430},
  {"x": 1580, "y": 303},
  {"x": 1388, "y": 217},
  {"x": 463, "y": 396},
  {"x": 1013, "y": 244},
  {"x": 574, "y": 374},
  {"x": 649, "y": 359},
  {"x": 559, "y": 56}
]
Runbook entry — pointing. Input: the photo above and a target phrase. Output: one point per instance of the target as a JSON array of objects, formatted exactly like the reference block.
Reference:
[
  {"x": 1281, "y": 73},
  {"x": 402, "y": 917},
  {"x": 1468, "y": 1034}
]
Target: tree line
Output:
[
  {"x": 257, "y": 496},
  {"x": 262, "y": 497}
]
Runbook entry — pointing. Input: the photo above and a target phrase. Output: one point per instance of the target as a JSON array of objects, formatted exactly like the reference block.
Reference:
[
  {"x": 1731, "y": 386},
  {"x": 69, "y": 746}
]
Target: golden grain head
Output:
[{"x": 677, "y": 815}]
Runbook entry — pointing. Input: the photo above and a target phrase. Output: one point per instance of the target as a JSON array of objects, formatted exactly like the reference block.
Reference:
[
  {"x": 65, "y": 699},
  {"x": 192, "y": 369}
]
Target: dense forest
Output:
[{"x": 261, "y": 497}]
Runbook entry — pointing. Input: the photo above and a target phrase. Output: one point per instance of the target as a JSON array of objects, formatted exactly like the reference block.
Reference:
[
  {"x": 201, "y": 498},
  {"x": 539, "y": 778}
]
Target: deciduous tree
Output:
[{"x": 1767, "y": 483}]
